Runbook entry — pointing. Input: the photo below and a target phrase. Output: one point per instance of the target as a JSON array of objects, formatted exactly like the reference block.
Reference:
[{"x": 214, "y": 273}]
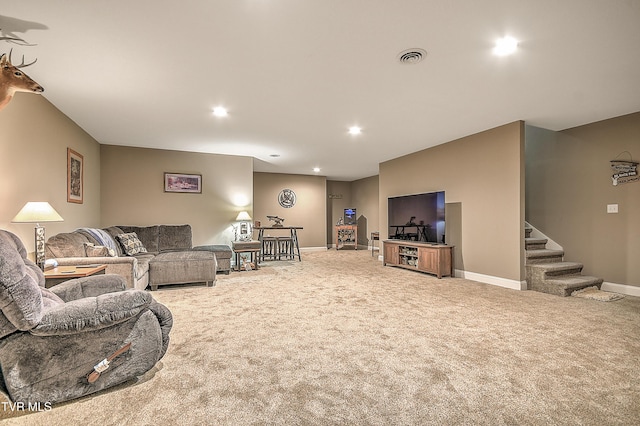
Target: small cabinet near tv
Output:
[
  {"x": 434, "y": 259},
  {"x": 346, "y": 235}
]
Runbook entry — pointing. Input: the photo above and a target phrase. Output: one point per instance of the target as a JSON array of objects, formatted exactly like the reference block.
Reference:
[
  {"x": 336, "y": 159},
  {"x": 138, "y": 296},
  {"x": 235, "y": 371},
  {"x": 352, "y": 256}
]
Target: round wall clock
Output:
[{"x": 287, "y": 198}]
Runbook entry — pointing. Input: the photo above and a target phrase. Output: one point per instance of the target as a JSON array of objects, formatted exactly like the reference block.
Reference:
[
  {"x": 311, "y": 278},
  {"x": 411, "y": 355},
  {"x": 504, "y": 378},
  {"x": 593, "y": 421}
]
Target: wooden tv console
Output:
[{"x": 431, "y": 258}]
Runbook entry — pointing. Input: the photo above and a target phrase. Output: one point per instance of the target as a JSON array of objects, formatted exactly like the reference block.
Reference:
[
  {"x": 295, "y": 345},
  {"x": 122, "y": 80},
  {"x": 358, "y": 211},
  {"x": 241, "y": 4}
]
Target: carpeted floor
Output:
[{"x": 339, "y": 339}]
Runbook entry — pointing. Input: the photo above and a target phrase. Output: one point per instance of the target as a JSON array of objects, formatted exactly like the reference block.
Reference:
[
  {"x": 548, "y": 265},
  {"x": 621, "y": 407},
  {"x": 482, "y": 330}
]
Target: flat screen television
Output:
[
  {"x": 350, "y": 217},
  {"x": 417, "y": 217}
]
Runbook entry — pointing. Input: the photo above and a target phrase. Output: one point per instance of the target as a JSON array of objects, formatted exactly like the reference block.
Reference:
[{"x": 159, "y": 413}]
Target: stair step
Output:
[
  {"x": 527, "y": 231},
  {"x": 535, "y": 243},
  {"x": 543, "y": 256},
  {"x": 535, "y": 240},
  {"x": 547, "y": 272},
  {"x": 570, "y": 283},
  {"x": 555, "y": 277},
  {"x": 556, "y": 269}
]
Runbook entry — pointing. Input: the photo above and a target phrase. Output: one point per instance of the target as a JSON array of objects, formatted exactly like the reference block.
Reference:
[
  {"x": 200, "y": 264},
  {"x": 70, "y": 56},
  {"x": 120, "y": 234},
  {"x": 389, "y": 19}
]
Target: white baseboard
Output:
[
  {"x": 488, "y": 279},
  {"x": 629, "y": 290},
  {"x": 303, "y": 249}
]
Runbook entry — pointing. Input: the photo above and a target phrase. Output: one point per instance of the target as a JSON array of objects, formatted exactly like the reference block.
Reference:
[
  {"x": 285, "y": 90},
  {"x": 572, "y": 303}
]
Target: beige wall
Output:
[
  {"x": 364, "y": 196},
  {"x": 310, "y": 210},
  {"x": 338, "y": 198},
  {"x": 361, "y": 194},
  {"x": 33, "y": 164},
  {"x": 133, "y": 190},
  {"x": 569, "y": 186},
  {"x": 483, "y": 177}
]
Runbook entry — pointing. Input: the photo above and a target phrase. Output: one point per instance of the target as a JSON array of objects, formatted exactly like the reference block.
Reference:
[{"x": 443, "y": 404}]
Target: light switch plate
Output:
[{"x": 612, "y": 208}]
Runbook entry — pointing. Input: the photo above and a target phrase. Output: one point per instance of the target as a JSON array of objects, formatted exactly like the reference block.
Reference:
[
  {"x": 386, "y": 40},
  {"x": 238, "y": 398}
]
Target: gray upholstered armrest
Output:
[
  {"x": 122, "y": 265},
  {"x": 96, "y": 260},
  {"x": 92, "y": 313},
  {"x": 89, "y": 287}
]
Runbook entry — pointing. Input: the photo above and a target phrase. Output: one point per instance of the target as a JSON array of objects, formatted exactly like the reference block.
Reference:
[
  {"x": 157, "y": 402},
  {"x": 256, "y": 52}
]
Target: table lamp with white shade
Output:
[
  {"x": 37, "y": 212},
  {"x": 245, "y": 227}
]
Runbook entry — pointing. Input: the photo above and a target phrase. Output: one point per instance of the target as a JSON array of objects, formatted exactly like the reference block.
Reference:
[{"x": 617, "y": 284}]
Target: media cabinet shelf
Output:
[
  {"x": 346, "y": 235},
  {"x": 434, "y": 259}
]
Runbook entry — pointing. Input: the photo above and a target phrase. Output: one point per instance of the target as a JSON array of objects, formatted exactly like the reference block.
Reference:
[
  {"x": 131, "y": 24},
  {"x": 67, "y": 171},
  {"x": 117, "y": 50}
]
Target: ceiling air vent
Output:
[{"x": 412, "y": 56}]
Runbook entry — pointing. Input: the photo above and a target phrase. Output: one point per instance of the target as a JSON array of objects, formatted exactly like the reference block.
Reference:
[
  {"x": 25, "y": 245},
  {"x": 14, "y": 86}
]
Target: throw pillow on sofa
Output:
[
  {"x": 131, "y": 244},
  {"x": 93, "y": 250}
]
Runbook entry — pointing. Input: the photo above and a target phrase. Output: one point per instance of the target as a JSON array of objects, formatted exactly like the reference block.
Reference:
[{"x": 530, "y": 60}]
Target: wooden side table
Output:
[
  {"x": 61, "y": 274},
  {"x": 346, "y": 235},
  {"x": 251, "y": 247}
]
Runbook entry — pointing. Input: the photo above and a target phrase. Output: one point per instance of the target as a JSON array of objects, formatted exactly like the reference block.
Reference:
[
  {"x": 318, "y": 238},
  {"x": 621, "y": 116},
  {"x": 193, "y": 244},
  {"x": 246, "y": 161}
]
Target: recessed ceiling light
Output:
[
  {"x": 274, "y": 155},
  {"x": 505, "y": 46},
  {"x": 220, "y": 111},
  {"x": 316, "y": 169},
  {"x": 355, "y": 130}
]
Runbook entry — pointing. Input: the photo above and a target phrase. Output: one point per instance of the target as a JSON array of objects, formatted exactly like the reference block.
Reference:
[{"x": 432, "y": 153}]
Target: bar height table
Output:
[{"x": 294, "y": 236}]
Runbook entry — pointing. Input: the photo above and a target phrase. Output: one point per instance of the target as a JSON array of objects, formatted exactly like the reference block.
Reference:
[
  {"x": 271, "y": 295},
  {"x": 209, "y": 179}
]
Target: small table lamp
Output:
[
  {"x": 36, "y": 212},
  {"x": 244, "y": 219}
]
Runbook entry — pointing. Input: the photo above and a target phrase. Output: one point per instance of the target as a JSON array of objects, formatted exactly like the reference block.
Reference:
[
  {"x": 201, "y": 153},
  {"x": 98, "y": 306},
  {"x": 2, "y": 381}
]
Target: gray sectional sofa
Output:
[{"x": 144, "y": 255}]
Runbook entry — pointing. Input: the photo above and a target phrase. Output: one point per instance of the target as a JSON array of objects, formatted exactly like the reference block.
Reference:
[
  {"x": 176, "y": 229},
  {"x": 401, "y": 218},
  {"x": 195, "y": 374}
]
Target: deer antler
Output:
[{"x": 22, "y": 65}]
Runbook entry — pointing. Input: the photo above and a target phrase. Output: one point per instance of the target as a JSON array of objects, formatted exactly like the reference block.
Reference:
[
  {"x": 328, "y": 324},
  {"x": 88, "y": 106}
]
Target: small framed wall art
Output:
[
  {"x": 287, "y": 198},
  {"x": 180, "y": 182},
  {"x": 75, "y": 177}
]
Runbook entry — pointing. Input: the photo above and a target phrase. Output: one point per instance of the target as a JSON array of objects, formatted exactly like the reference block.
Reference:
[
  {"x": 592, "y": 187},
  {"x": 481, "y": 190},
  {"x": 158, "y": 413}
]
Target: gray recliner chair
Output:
[{"x": 77, "y": 338}]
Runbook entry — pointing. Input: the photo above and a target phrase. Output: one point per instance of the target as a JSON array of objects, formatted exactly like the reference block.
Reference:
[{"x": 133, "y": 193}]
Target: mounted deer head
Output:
[{"x": 13, "y": 80}]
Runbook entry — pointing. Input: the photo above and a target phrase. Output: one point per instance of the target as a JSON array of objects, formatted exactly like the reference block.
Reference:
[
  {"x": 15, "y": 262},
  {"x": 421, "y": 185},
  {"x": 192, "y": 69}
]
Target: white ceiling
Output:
[{"x": 296, "y": 74}]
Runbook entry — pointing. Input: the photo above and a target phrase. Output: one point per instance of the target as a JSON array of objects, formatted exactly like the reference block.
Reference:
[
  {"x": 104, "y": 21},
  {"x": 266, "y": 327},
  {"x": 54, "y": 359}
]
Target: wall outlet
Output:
[{"x": 612, "y": 208}]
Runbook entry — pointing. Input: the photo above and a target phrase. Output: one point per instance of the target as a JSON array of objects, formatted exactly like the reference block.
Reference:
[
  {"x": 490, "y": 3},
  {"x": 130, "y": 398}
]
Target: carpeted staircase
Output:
[{"x": 547, "y": 272}]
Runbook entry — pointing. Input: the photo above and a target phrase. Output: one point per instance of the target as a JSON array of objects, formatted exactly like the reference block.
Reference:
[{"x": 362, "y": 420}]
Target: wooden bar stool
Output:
[
  {"x": 285, "y": 248},
  {"x": 269, "y": 248},
  {"x": 375, "y": 236}
]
